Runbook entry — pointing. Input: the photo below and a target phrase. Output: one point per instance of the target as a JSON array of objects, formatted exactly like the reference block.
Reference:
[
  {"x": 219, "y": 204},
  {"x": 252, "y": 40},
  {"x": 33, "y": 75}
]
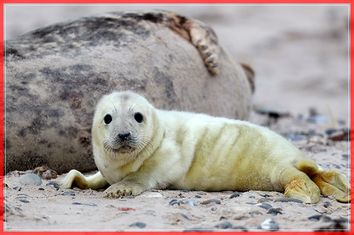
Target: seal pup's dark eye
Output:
[
  {"x": 107, "y": 119},
  {"x": 138, "y": 117}
]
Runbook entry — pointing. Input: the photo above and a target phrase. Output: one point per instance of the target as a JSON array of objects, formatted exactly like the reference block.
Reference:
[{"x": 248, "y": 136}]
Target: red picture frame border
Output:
[{"x": 2, "y": 103}]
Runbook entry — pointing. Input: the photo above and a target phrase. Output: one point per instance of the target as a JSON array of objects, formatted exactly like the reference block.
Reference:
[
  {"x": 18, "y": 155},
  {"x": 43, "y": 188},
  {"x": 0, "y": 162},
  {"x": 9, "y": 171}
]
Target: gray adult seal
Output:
[{"x": 56, "y": 74}]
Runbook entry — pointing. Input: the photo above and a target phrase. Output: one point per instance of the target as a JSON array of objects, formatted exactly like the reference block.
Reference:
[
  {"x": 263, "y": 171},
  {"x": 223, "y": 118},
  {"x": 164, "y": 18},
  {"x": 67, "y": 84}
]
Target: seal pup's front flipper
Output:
[{"x": 76, "y": 178}]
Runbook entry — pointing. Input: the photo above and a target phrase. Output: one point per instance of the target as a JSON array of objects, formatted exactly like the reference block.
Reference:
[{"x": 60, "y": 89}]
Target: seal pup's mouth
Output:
[{"x": 122, "y": 148}]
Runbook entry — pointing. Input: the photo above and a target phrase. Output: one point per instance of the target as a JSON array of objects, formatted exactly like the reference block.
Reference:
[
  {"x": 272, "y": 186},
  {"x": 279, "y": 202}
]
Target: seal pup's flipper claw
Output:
[{"x": 76, "y": 178}]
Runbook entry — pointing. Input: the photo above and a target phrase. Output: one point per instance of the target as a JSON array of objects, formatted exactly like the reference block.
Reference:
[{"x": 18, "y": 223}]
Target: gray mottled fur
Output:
[{"x": 55, "y": 76}]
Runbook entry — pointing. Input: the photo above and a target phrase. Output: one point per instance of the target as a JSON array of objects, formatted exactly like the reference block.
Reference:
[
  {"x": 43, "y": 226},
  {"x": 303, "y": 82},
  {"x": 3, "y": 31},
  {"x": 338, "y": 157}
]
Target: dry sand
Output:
[{"x": 300, "y": 55}]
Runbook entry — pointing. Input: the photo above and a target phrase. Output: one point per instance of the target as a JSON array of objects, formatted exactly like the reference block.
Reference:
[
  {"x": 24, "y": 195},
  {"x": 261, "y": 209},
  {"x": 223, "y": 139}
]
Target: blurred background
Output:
[{"x": 300, "y": 53}]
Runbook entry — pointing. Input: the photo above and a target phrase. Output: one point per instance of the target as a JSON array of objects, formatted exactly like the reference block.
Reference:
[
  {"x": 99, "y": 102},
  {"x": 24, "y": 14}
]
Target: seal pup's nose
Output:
[{"x": 124, "y": 136}]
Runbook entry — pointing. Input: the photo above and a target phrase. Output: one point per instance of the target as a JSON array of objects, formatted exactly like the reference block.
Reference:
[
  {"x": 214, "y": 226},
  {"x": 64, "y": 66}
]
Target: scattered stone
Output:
[
  {"x": 53, "y": 184},
  {"x": 84, "y": 204},
  {"x": 264, "y": 195},
  {"x": 295, "y": 136},
  {"x": 45, "y": 172},
  {"x": 266, "y": 199},
  {"x": 275, "y": 211},
  {"x": 42, "y": 189},
  {"x": 339, "y": 135},
  {"x": 30, "y": 179},
  {"x": 327, "y": 204},
  {"x": 24, "y": 200},
  {"x": 201, "y": 193},
  {"x": 209, "y": 201},
  {"x": 243, "y": 229},
  {"x": 335, "y": 225},
  {"x": 180, "y": 202},
  {"x": 222, "y": 218},
  {"x": 345, "y": 156},
  {"x": 241, "y": 217},
  {"x": 224, "y": 225},
  {"x": 287, "y": 199},
  {"x": 235, "y": 194},
  {"x": 269, "y": 225},
  {"x": 198, "y": 196},
  {"x": 272, "y": 115},
  {"x": 265, "y": 206},
  {"x": 173, "y": 202},
  {"x": 213, "y": 209},
  {"x": 319, "y": 217},
  {"x": 138, "y": 225},
  {"x": 68, "y": 193},
  {"x": 17, "y": 188}
]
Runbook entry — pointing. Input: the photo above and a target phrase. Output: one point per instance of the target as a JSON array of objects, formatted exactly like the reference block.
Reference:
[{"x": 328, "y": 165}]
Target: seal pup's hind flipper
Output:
[{"x": 331, "y": 183}]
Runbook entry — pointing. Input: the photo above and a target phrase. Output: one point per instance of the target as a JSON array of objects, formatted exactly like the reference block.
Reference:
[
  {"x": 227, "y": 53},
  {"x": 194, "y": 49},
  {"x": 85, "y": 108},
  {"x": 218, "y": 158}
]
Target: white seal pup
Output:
[{"x": 138, "y": 147}]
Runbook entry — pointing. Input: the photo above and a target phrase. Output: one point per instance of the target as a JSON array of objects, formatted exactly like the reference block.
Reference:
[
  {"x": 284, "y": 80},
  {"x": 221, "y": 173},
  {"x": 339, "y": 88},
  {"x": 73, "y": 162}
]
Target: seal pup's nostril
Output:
[{"x": 124, "y": 136}]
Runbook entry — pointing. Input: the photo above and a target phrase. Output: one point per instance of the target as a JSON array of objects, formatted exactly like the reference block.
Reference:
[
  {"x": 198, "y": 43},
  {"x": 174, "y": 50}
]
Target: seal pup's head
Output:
[{"x": 124, "y": 125}]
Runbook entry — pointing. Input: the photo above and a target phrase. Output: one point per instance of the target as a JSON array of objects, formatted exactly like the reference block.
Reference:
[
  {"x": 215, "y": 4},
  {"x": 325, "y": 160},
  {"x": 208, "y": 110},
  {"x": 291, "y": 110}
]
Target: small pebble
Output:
[
  {"x": 287, "y": 199},
  {"x": 267, "y": 199},
  {"x": 327, "y": 204},
  {"x": 68, "y": 193},
  {"x": 265, "y": 206},
  {"x": 269, "y": 225},
  {"x": 198, "y": 196},
  {"x": 53, "y": 184},
  {"x": 224, "y": 225},
  {"x": 274, "y": 211},
  {"x": 235, "y": 194},
  {"x": 42, "y": 189},
  {"x": 339, "y": 135},
  {"x": 243, "y": 229},
  {"x": 84, "y": 204},
  {"x": 30, "y": 179},
  {"x": 17, "y": 188},
  {"x": 138, "y": 224},
  {"x": 295, "y": 137},
  {"x": 345, "y": 156},
  {"x": 24, "y": 200},
  {"x": 319, "y": 217},
  {"x": 209, "y": 201},
  {"x": 173, "y": 202},
  {"x": 180, "y": 202}
]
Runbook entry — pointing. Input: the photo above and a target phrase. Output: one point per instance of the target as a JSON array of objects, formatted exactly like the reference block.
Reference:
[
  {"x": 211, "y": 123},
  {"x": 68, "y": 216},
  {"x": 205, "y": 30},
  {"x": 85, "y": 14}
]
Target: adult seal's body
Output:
[
  {"x": 55, "y": 75},
  {"x": 138, "y": 147}
]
